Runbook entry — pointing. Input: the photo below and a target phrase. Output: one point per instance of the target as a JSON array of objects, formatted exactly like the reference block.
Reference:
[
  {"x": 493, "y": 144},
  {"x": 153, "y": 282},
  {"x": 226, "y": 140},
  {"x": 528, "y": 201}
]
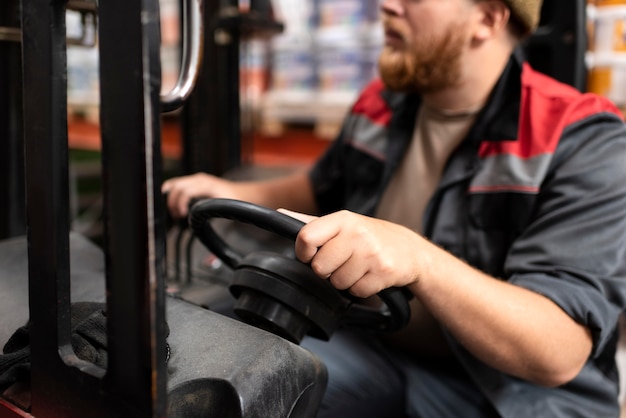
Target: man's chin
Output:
[
  {"x": 397, "y": 84},
  {"x": 394, "y": 72},
  {"x": 392, "y": 53},
  {"x": 391, "y": 62}
]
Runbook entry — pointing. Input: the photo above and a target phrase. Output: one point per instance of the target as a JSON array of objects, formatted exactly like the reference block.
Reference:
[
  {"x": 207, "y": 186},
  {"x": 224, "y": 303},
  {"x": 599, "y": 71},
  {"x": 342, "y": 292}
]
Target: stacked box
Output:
[
  {"x": 607, "y": 49},
  {"x": 293, "y": 66},
  {"x": 348, "y": 40},
  {"x": 329, "y": 49},
  {"x": 83, "y": 80},
  {"x": 293, "y": 75},
  {"x": 327, "y": 54},
  {"x": 170, "y": 43},
  {"x": 346, "y": 13},
  {"x": 346, "y": 61}
]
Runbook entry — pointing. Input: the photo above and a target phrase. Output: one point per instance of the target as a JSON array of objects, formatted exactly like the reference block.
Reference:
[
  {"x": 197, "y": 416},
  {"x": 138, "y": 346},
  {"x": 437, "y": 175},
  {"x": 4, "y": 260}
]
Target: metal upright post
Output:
[
  {"x": 210, "y": 120},
  {"x": 134, "y": 214},
  {"x": 12, "y": 211},
  {"x": 134, "y": 383},
  {"x": 53, "y": 381},
  {"x": 559, "y": 44}
]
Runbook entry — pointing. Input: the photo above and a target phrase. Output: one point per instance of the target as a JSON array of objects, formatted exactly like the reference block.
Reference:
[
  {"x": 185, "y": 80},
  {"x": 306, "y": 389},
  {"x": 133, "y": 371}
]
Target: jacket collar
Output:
[{"x": 498, "y": 120}]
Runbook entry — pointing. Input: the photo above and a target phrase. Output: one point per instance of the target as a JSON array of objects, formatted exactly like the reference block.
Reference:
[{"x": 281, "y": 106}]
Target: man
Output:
[{"x": 496, "y": 195}]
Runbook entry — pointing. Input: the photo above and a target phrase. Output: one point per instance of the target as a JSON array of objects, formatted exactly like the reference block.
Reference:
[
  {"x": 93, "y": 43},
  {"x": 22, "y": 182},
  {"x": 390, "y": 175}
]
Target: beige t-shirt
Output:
[{"x": 437, "y": 134}]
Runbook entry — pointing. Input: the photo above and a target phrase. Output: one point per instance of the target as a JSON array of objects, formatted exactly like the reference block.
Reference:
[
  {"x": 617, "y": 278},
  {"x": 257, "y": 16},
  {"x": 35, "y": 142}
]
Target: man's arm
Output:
[
  {"x": 564, "y": 290},
  {"x": 292, "y": 191},
  {"x": 510, "y": 328}
]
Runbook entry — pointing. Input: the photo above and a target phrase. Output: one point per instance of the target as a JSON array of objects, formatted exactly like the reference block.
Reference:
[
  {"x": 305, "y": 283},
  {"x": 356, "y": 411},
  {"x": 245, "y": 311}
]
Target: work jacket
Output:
[{"x": 534, "y": 195}]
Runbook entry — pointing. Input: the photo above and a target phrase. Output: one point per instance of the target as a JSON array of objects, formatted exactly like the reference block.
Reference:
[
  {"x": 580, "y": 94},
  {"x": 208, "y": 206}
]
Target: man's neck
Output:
[{"x": 475, "y": 86}]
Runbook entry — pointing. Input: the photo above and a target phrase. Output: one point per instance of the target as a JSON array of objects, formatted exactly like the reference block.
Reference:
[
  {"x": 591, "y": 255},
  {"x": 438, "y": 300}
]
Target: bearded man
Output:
[{"x": 494, "y": 194}]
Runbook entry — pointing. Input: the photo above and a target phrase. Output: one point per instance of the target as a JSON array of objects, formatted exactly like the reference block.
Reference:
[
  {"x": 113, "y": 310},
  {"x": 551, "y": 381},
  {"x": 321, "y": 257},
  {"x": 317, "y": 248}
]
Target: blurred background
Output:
[{"x": 294, "y": 85}]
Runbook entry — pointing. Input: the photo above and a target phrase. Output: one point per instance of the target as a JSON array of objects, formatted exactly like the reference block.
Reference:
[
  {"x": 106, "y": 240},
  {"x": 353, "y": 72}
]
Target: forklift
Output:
[{"x": 162, "y": 355}]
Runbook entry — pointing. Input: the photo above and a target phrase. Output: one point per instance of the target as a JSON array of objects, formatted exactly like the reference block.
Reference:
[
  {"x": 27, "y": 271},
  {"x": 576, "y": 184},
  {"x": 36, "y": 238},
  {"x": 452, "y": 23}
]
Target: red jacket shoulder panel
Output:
[
  {"x": 371, "y": 104},
  {"x": 547, "y": 108}
]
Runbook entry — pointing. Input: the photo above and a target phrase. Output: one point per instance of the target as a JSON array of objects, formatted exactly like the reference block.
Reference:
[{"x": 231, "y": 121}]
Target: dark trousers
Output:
[{"x": 368, "y": 379}]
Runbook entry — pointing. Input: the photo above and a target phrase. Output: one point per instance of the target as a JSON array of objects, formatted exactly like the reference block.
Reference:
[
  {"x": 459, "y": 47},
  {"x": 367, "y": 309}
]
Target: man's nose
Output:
[{"x": 392, "y": 7}]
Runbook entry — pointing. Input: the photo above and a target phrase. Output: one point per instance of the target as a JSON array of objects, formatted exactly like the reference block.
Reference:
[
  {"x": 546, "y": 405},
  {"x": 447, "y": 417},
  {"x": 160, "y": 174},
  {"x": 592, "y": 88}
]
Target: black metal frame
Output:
[
  {"x": 135, "y": 381},
  {"x": 211, "y": 118},
  {"x": 559, "y": 45},
  {"x": 134, "y": 210},
  {"x": 12, "y": 222}
]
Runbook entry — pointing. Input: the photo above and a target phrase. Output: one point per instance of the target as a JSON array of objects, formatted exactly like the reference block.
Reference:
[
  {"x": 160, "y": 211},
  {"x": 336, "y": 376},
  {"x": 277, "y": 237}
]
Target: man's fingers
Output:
[
  {"x": 166, "y": 186},
  {"x": 316, "y": 234},
  {"x": 340, "y": 248},
  {"x": 304, "y": 250},
  {"x": 329, "y": 258}
]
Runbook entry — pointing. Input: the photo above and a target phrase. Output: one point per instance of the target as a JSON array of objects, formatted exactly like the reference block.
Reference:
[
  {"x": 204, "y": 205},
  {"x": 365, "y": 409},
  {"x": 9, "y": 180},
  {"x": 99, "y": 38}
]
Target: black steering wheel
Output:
[{"x": 283, "y": 295}]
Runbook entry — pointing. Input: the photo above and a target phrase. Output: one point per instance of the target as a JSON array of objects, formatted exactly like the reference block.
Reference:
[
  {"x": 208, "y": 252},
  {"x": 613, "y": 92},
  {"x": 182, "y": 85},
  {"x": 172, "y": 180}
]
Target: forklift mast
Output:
[{"x": 211, "y": 365}]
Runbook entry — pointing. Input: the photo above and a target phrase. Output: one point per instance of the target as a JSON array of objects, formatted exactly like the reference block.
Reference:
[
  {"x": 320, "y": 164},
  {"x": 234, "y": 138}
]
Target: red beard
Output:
[{"x": 427, "y": 66}]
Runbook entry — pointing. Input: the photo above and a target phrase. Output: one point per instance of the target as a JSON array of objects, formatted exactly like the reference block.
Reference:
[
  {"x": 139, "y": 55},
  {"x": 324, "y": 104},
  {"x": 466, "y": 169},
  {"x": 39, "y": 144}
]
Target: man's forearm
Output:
[
  {"x": 508, "y": 327},
  {"x": 293, "y": 192}
]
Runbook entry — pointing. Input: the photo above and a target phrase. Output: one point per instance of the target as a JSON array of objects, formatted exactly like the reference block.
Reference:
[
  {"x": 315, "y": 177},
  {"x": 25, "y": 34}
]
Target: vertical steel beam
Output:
[
  {"x": 559, "y": 45},
  {"x": 47, "y": 196},
  {"x": 12, "y": 211},
  {"x": 210, "y": 119},
  {"x": 133, "y": 210}
]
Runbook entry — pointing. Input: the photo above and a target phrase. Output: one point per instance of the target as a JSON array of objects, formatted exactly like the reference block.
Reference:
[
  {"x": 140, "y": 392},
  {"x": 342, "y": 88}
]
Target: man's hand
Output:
[
  {"x": 181, "y": 190},
  {"x": 355, "y": 252},
  {"x": 293, "y": 190}
]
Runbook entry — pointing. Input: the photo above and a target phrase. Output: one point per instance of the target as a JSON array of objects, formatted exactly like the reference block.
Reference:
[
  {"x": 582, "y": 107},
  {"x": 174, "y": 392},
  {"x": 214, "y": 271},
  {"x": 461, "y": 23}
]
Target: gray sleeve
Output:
[{"x": 574, "y": 249}]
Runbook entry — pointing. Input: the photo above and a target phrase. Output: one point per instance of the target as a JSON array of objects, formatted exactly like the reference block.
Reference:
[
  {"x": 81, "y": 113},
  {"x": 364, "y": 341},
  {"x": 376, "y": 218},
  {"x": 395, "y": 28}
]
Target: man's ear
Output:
[{"x": 493, "y": 17}]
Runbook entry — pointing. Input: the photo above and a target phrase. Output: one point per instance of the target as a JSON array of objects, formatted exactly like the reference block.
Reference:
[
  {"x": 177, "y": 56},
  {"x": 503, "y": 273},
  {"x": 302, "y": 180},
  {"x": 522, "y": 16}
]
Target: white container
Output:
[
  {"x": 607, "y": 52},
  {"x": 83, "y": 79},
  {"x": 609, "y": 29},
  {"x": 296, "y": 15}
]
